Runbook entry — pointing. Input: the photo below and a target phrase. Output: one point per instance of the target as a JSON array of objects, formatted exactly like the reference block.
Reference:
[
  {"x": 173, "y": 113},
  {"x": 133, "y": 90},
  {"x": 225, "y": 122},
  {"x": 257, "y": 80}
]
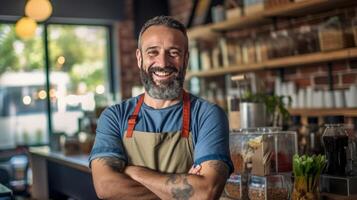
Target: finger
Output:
[
  {"x": 191, "y": 171},
  {"x": 195, "y": 170}
]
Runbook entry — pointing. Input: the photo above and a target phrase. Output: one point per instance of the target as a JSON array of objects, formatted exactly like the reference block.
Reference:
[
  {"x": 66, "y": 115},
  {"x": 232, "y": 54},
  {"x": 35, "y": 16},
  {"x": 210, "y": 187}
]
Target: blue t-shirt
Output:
[{"x": 208, "y": 126}]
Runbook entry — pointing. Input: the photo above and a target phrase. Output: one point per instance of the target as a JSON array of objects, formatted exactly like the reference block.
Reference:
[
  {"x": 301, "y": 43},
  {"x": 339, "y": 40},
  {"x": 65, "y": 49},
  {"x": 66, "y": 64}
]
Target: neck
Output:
[{"x": 160, "y": 103}]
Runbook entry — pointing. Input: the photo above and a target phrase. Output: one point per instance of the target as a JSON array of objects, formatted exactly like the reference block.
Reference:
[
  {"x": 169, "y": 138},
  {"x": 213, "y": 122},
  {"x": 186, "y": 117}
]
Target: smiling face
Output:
[{"x": 162, "y": 59}]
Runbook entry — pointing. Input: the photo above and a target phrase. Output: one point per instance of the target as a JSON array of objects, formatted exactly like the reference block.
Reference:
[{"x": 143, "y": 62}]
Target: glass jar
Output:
[
  {"x": 257, "y": 188},
  {"x": 232, "y": 188},
  {"x": 354, "y": 29},
  {"x": 274, "y": 187},
  {"x": 306, "y": 40},
  {"x": 335, "y": 142},
  {"x": 331, "y": 36}
]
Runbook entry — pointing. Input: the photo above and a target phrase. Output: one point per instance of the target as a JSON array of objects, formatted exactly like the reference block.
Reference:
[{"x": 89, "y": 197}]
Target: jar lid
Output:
[
  {"x": 312, "y": 120},
  {"x": 339, "y": 119},
  {"x": 296, "y": 119}
]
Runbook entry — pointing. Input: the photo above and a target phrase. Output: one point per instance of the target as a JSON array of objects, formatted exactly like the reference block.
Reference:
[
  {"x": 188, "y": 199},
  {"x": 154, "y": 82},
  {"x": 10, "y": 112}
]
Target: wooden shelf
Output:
[
  {"x": 286, "y": 62},
  {"x": 303, "y": 8},
  {"x": 318, "y": 112},
  {"x": 240, "y": 22},
  {"x": 293, "y": 9},
  {"x": 201, "y": 32}
]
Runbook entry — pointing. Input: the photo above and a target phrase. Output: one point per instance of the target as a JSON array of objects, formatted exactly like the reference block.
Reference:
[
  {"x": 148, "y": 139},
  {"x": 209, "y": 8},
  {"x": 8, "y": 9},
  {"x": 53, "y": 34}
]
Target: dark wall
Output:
[
  {"x": 105, "y": 10},
  {"x": 144, "y": 10}
]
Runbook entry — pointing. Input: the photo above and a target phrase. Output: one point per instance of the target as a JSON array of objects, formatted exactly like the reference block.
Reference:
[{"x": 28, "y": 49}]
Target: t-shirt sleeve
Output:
[
  {"x": 108, "y": 140},
  {"x": 213, "y": 137}
]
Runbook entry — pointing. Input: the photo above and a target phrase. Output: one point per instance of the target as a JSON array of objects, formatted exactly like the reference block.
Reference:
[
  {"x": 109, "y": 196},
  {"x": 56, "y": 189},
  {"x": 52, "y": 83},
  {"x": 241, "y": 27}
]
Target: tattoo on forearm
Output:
[
  {"x": 219, "y": 167},
  {"x": 114, "y": 163},
  {"x": 181, "y": 189}
]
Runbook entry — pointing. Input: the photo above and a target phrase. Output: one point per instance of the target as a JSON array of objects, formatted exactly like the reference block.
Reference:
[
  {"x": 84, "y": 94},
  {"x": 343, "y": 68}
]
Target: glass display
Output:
[
  {"x": 335, "y": 141},
  {"x": 262, "y": 151}
]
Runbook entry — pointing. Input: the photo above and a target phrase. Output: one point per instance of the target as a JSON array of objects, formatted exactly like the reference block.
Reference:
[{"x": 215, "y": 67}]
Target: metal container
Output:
[{"x": 252, "y": 114}]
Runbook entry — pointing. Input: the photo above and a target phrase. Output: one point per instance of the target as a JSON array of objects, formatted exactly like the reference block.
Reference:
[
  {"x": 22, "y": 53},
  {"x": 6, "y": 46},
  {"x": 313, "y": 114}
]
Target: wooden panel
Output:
[
  {"x": 308, "y": 59},
  {"x": 302, "y": 8},
  {"x": 226, "y": 70},
  {"x": 201, "y": 32},
  {"x": 281, "y": 63},
  {"x": 241, "y": 22},
  {"x": 293, "y": 9},
  {"x": 349, "y": 112}
]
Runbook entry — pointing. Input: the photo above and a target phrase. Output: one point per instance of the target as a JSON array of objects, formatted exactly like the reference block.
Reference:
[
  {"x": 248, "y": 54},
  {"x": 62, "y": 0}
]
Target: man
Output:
[{"x": 166, "y": 143}]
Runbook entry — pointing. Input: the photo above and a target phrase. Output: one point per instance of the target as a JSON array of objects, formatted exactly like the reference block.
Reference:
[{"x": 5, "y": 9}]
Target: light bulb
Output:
[
  {"x": 38, "y": 10},
  {"x": 25, "y": 28}
]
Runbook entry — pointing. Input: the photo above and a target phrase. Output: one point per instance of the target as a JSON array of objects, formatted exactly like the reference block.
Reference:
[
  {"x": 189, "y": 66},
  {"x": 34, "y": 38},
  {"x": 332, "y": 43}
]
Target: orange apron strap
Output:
[
  {"x": 186, "y": 115},
  {"x": 134, "y": 117}
]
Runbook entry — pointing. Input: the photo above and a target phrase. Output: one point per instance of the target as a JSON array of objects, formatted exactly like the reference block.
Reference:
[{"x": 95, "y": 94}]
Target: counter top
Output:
[
  {"x": 4, "y": 191},
  {"x": 79, "y": 161}
]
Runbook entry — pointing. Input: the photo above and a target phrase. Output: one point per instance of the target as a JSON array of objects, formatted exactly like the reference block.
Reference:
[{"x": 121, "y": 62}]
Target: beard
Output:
[{"x": 163, "y": 89}]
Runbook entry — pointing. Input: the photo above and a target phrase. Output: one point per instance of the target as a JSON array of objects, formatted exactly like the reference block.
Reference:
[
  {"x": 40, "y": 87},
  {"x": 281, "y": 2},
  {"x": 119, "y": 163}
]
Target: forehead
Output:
[{"x": 159, "y": 35}]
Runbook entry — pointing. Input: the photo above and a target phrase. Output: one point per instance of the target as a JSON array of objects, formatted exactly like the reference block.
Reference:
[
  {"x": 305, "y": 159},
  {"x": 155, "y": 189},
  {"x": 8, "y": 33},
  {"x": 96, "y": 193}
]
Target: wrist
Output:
[{"x": 133, "y": 172}]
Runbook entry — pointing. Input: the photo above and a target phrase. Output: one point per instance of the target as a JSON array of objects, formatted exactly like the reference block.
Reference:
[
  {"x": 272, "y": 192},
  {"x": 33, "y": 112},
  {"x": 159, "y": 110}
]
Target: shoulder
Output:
[{"x": 119, "y": 111}]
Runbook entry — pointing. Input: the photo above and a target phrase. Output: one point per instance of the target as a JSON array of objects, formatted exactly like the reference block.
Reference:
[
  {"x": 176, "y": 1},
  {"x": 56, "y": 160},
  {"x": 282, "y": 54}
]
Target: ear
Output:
[
  {"x": 138, "y": 57},
  {"x": 187, "y": 56}
]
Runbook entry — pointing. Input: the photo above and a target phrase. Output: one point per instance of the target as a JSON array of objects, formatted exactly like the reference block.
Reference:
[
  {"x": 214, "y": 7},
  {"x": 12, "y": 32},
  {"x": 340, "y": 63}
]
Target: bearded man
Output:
[{"x": 165, "y": 143}]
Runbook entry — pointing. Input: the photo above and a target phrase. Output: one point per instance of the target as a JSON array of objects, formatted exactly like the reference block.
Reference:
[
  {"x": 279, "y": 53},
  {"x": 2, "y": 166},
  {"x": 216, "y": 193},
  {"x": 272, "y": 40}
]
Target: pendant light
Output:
[
  {"x": 38, "y": 10},
  {"x": 25, "y": 28}
]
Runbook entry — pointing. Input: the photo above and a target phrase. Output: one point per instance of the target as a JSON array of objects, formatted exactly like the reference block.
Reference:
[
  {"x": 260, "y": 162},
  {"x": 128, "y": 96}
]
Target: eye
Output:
[
  {"x": 174, "y": 53},
  {"x": 152, "y": 53}
]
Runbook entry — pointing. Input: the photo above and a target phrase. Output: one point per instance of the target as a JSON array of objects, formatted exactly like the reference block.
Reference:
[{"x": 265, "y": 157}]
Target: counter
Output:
[
  {"x": 58, "y": 176},
  {"x": 5, "y": 193}
]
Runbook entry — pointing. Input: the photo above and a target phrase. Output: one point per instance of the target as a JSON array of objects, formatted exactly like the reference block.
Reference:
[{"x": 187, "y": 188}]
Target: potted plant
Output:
[{"x": 271, "y": 108}]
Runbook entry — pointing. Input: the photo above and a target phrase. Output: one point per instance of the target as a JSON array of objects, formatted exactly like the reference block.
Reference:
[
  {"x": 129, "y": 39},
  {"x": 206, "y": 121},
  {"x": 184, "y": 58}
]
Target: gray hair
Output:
[{"x": 167, "y": 21}]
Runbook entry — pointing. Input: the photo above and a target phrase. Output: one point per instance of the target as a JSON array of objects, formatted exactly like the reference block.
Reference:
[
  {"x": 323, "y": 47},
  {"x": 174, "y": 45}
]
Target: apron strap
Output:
[
  {"x": 186, "y": 115},
  {"x": 134, "y": 117}
]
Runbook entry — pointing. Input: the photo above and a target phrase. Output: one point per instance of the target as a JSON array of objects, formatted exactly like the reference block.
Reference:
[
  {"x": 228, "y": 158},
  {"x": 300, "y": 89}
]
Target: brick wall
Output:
[
  {"x": 181, "y": 10},
  {"x": 129, "y": 71},
  {"x": 316, "y": 75},
  {"x": 344, "y": 74}
]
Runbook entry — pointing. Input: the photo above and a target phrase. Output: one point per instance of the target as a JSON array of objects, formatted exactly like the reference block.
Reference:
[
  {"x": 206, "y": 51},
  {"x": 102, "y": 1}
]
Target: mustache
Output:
[{"x": 166, "y": 69}]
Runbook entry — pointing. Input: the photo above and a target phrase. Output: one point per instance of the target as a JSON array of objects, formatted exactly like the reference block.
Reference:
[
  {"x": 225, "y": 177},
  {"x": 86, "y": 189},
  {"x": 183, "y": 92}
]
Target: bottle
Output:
[
  {"x": 314, "y": 136},
  {"x": 297, "y": 127},
  {"x": 335, "y": 142}
]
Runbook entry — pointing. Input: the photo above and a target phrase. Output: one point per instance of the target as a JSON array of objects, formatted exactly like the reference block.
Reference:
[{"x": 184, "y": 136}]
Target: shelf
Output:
[
  {"x": 303, "y": 8},
  {"x": 226, "y": 70},
  {"x": 294, "y": 9},
  {"x": 286, "y": 62},
  {"x": 240, "y": 22},
  {"x": 201, "y": 32},
  {"x": 348, "y": 112}
]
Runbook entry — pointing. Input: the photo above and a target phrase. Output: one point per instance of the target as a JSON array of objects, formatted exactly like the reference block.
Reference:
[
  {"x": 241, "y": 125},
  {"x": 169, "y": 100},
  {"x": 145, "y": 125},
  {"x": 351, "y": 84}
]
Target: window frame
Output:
[{"x": 112, "y": 68}]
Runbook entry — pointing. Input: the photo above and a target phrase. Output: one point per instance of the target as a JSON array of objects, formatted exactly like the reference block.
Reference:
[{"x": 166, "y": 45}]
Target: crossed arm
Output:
[{"x": 112, "y": 180}]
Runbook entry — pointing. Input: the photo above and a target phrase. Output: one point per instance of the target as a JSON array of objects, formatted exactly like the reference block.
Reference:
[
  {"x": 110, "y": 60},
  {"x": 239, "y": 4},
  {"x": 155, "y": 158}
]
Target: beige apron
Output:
[{"x": 168, "y": 152}]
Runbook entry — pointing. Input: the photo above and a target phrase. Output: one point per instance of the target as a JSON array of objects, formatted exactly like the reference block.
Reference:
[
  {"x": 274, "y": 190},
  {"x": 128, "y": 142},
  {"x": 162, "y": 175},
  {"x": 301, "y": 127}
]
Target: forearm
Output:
[
  {"x": 120, "y": 186},
  {"x": 177, "y": 186},
  {"x": 111, "y": 183}
]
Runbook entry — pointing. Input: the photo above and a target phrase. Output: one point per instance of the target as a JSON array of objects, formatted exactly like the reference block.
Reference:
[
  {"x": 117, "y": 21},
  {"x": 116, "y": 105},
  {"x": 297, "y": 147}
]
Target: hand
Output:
[{"x": 195, "y": 170}]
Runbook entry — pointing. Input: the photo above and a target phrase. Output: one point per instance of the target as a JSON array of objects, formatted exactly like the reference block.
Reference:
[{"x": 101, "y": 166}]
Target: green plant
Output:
[
  {"x": 276, "y": 105},
  {"x": 307, "y": 170}
]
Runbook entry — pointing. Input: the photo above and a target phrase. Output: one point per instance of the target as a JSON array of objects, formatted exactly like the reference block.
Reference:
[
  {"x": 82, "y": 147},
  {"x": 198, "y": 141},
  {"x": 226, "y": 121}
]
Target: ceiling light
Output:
[
  {"x": 38, "y": 10},
  {"x": 25, "y": 28}
]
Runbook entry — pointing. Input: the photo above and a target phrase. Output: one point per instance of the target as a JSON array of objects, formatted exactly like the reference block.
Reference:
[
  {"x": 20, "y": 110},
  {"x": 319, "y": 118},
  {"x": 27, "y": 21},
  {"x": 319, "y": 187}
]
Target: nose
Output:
[{"x": 163, "y": 60}]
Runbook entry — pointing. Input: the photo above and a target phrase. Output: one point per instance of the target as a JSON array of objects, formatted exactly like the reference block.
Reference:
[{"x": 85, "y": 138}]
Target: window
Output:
[
  {"x": 79, "y": 65},
  {"x": 78, "y": 57}
]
